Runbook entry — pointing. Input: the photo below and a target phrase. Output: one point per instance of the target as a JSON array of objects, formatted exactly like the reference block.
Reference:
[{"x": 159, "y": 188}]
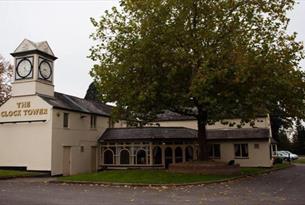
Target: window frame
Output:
[
  {"x": 66, "y": 120},
  {"x": 93, "y": 121},
  {"x": 212, "y": 151},
  {"x": 241, "y": 153}
]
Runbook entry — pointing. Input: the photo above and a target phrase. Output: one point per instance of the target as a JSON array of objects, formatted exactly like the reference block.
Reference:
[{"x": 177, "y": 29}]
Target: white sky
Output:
[{"x": 66, "y": 27}]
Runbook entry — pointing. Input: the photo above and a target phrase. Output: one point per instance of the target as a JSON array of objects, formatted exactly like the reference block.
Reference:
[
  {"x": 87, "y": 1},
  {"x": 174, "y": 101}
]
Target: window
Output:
[
  {"x": 93, "y": 121},
  {"x": 108, "y": 157},
  {"x": 189, "y": 153},
  {"x": 124, "y": 157},
  {"x": 66, "y": 120},
  {"x": 141, "y": 157},
  {"x": 214, "y": 151},
  {"x": 241, "y": 150},
  {"x": 178, "y": 155},
  {"x": 157, "y": 155}
]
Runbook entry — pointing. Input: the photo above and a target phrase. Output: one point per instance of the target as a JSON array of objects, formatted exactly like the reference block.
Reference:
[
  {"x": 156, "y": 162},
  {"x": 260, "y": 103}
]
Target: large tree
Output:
[
  {"x": 92, "y": 93},
  {"x": 5, "y": 79},
  {"x": 210, "y": 59},
  {"x": 299, "y": 138}
]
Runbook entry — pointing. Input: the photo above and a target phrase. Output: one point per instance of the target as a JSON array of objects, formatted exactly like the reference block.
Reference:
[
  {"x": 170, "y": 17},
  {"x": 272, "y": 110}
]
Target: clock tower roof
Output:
[{"x": 27, "y": 46}]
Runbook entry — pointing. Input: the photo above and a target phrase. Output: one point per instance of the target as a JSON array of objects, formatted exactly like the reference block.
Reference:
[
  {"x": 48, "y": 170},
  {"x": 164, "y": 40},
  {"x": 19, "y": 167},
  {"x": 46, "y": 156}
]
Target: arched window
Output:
[
  {"x": 124, "y": 157},
  {"x": 178, "y": 155},
  {"x": 108, "y": 157},
  {"x": 168, "y": 156},
  {"x": 157, "y": 155},
  {"x": 189, "y": 153},
  {"x": 141, "y": 157}
]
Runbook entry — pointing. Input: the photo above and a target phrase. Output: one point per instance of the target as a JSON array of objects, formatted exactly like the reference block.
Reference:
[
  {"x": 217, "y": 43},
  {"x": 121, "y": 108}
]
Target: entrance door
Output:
[
  {"x": 93, "y": 159},
  {"x": 67, "y": 161}
]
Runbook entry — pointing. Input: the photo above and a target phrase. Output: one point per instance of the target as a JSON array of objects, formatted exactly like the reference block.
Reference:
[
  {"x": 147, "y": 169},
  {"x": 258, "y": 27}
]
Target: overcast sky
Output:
[{"x": 66, "y": 27}]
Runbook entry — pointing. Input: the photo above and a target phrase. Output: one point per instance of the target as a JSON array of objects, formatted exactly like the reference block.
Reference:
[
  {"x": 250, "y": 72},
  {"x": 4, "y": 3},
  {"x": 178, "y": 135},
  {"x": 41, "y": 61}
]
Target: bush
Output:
[{"x": 278, "y": 160}]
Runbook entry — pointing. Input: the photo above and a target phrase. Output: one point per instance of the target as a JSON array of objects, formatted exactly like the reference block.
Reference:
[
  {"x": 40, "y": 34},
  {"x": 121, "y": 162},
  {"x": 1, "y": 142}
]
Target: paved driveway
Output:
[{"x": 280, "y": 187}]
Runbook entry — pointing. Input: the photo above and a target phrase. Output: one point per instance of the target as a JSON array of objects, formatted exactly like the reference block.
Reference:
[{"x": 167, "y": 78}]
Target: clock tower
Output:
[{"x": 33, "y": 73}]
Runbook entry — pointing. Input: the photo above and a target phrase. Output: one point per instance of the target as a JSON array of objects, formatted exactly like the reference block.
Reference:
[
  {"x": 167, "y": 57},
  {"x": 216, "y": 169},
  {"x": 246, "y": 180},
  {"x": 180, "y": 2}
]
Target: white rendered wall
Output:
[
  {"x": 261, "y": 122},
  {"x": 258, "y": 157},
  {"x": 26, "y": 144},
  {"x": 79, "y": 134}
]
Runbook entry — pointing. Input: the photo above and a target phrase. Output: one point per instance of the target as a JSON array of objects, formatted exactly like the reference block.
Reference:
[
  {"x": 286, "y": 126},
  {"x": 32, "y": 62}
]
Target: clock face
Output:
[
  {"x": 24, "y": 68},
  {"x": 45, "y": 70}
]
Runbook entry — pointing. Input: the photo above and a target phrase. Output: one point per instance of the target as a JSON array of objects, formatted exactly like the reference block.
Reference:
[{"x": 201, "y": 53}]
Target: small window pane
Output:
[
  {"x": 66, "y": 120},
  {"x": 93, "y": 121},
  {"x": 244, "y": 150},
  {"x": 237, "y": 150},
  {"x": 241, "y": 150},
  {"x": 216, "y": 150},
  {"x": 210, "y": 149}
]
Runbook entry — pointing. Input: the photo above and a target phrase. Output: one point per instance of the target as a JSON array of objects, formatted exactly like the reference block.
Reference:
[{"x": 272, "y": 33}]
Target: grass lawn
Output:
[
  {"x": 156, "y": 176},
  {"x": 259, "y": 170},
  {"x": 300, "y": 161},
  {"x": 13, "y": 173},
  {"x": 143, "y": 177}
]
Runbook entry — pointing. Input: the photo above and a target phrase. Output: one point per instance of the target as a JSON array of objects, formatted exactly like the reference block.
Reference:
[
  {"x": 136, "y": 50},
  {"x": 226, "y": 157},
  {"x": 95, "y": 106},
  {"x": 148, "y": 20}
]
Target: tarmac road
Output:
[{"x": 279, "y": 187}]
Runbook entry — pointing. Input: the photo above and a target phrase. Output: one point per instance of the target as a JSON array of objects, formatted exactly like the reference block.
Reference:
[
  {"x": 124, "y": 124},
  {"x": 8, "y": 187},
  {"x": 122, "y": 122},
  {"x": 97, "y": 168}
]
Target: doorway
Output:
[{"x": 66, "y": 160}]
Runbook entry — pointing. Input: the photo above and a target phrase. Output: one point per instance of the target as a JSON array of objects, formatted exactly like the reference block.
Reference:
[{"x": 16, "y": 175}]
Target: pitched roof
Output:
[
  {"x": 72, "y": 103},
  {"x": 148, "y": 133},
  {"x": 151, "y": 133},
  {"x": 238, "y": 133},
  {"x": 28, "y": 46},
  {"x": 168, "y": 115}
]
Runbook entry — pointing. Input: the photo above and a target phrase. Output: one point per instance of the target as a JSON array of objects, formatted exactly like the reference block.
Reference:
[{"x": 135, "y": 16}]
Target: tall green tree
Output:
[
  {"x": 210, "y": 59},
  {"x": 299, "y": 138},
  {"x": 5, "y": 79},
  {"x": 92, "y": 93}
]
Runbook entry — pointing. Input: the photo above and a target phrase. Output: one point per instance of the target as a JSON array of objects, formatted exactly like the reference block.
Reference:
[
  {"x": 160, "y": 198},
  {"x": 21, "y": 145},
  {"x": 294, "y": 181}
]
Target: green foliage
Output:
[
  {"x": 210, "y": 59},
  {"x": 298, "y": 145},
  {"x": 300, "y": 161},
  {"x": 278, "y": 160},
  {"x": 5, "y": 78},
  {"x": 230, "y": 58},
  {"x": 283, "y": 142},
  {"x": 93, "y": 93}
]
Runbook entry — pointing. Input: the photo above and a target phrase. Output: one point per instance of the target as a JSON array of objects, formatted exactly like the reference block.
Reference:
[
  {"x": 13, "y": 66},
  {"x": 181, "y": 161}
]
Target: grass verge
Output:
[
  {"x": 5, "y": 174},
  {"x": 301, "y": 160},
  {"x": 159, "y": 176}
]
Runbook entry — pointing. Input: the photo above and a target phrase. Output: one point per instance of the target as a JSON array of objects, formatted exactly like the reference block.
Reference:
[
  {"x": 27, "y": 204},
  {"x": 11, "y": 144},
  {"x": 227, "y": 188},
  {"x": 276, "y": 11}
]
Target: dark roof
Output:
[
  {"x": 72, "y": 103},
  {"x": 182, "y": 133},
  {"x": 168, "y": 115},
  {"x": 148, "y": 133},
  {"x": 172, "y": 116},
  {"x": 238, "y": 133}
]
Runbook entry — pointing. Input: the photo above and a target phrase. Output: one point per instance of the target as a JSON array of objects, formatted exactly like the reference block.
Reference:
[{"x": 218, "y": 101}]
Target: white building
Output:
[{"x": 42, "y": 130}]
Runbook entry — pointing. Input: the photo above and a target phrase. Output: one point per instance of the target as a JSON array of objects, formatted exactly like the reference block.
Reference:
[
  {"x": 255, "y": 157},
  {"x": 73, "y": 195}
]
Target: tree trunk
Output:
[{"x": 202, "y": 136}]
